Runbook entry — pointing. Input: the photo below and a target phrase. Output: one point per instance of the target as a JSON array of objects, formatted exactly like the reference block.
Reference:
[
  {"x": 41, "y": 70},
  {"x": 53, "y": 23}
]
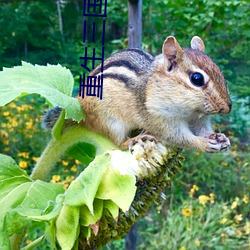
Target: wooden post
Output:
[{"x": 134, "y": 23}]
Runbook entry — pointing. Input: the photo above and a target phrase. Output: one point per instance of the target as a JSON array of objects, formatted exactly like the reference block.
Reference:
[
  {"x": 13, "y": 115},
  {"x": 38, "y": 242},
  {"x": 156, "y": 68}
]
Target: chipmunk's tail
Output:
[{"x": 50, "y": 118}]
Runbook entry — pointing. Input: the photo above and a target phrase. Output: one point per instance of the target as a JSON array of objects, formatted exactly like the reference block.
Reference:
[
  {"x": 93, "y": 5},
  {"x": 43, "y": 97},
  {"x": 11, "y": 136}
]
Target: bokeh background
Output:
[{"x": 207, "y": 206}]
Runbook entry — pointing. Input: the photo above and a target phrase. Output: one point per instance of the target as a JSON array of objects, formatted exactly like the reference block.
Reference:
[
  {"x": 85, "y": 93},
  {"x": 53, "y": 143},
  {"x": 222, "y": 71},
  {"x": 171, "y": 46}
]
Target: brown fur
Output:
[{"x": 156, "y": 95}]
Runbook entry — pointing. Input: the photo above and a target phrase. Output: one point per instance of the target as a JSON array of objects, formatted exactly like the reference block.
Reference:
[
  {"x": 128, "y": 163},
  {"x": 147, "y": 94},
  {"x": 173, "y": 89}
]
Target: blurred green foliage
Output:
[{"x": 30, "y": 32}]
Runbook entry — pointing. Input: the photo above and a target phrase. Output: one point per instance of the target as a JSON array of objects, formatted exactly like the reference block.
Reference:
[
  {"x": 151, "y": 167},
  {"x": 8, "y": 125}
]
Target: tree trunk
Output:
[
  {"x": 59, "y": 16},
  {"x": 134, "y": 23}
]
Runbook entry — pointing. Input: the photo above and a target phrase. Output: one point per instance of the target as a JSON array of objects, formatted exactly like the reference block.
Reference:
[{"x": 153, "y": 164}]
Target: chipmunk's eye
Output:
[{"x": 197, "y": 79}]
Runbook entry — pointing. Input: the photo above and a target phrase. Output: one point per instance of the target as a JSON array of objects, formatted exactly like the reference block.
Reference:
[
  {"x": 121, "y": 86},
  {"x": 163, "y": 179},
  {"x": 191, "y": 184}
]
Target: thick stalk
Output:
[{"x": 57, "y": 147}]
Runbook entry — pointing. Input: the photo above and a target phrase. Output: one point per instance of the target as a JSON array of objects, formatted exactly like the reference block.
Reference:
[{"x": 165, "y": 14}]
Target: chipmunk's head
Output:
[{"x": 201, "y": 78}]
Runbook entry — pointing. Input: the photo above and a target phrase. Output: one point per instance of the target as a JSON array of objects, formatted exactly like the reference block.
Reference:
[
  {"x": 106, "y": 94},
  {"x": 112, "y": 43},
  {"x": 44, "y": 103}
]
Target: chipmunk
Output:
[{"x": 170, "y": 96}]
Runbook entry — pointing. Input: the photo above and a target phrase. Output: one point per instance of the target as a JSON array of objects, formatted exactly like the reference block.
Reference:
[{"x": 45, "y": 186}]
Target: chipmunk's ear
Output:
[
  {"x": 172, "y": 50},
  {"x": 197, "y": 43}
]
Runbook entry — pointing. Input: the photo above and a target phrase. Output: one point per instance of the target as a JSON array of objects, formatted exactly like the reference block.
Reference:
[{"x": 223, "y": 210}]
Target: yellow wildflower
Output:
[
  {"x": 245, "y": 199},
  {"x": 12, "y": 105},
  {"x": 238, "y": 233},
  {"x": 234, "y": 152},
  {"x": 73, "y": 168},
  {"x": 211, "y": 195},
  {"x": 14, "y": 123},
  {"x": 55, "y": 178},
  {"x": 24, "y": 154},
  {"x": 197, "y": 242},
  {"x": 223, "y": 235},
  {"x": 247, "y": 227},
  {"x": 65, "y": 163},
  {"x": 77, "y": 162},
  {"x": 187, "y": 211},
  {"x": 238, "y": 218},
  {"x": 65, "y": 185},
  {"x": 6, "y": 113},
  {"x": 29, "y": 124},
  {"x": 193, "y": 190},
  {"x": 223, "y": 220},
  {"x": 203, "y": 199},
  {"x": 35, "y": 159},
  {"x": 224, "y": 164},
  {"x": 70, "y": 178},
  {"x": 235, "y": 203},
  {"x": 183, "y": 248},
  {"x": 23, "y": 164},
  {"x": 4, "y": 134}
]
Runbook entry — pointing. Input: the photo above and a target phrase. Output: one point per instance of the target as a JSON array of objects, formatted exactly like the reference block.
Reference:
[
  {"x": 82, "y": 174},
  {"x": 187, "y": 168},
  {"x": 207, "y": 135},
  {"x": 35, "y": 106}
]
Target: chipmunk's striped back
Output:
[{"x": 125, "y": 66}]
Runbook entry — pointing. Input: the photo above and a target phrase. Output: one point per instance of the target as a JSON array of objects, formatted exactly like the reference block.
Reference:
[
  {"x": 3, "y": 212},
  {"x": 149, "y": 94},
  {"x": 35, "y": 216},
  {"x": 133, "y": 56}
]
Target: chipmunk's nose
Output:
[{"x": 227, "y": 108}]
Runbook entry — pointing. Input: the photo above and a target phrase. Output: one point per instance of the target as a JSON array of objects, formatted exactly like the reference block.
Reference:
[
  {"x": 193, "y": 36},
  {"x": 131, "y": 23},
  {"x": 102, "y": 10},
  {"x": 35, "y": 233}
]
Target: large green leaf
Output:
[
  {"x": 9, "y": 168},
  {"x": 118, "y": 188},
  {"x": 53, "y": 82},
  {"x": 67, "y": 226},
  {"x": 20, "y": 197}
]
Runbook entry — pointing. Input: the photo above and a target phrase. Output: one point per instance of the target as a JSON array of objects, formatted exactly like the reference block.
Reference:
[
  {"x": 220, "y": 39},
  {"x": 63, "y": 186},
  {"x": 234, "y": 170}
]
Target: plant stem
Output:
[{"x": 57, "y": 147}]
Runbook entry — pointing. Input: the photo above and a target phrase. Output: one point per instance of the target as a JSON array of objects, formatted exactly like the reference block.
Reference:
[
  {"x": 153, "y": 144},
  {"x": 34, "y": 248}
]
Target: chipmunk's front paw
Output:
[{"x": 218, "y": 142}]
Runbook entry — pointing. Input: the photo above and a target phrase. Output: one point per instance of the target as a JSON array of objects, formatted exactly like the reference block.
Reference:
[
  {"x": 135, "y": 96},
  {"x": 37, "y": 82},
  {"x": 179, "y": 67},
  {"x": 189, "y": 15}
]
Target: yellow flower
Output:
[
  {"x": 23, "y": 164},
  {"x": 223, "y": 220},
  {"x": 35, "y": 159},
  {"x": 234, "y": 152},
  {"x": 182, "y": 248},
  {"x": 224, "y": 164},
  {"x": 29, "y": 124},
  {"x": 65, "y": 185},
  {"x": 24, "y": 154},
  {"x": 14, "y": 123},
  {"x": 197, "y": 242},
  {"x": 203, "y": 199},
  {"x": 245, "y": 199},
  {"x": 223, "y": 235},
  {"x": 77, "y": 162},
  {"x": 55, "y": 178},
  {"x": 235, "y": 203},
  {"x": 187, "y": 211},
  {"x": 238, "y": 218},
  {"x": 73, "y": 168},
  {"x": 238, "y": 233},
  {"x": 12, "y": 105},
  {"x": 70, "y": 178},
  {"x": 6, "y": 113},
  {"x": 65, "y": 163},
  {"x": 211, "y": 195},
  {"x": 193, "y": 190},
  {"x": 247, "y": 227},
  {"x": 4, "y": 134}
]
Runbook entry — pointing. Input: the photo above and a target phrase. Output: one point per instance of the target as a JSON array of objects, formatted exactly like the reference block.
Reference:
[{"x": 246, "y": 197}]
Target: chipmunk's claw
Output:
[
  {"x": 218, "y": 142},
  {"x": 141, "y": 139}
]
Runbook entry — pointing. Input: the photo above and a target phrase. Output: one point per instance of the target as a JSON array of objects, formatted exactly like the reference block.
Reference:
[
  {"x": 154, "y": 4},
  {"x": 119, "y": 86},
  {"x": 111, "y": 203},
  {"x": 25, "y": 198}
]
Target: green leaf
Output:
[
  {"x": 39, "y": 194},
  {"x": 118, "y": 188},
  {"x": 67, "y": 226},
  {"x": 83, "y": 189},
  {"x": 53, "y": 82},
  {"x": 9, "y": 168},
  {"x": 83, "y": 152},
  {"x": 112, "y": 208},
  {"x": 6, "y": 186},
  {"x": 86, "y": 218}
]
